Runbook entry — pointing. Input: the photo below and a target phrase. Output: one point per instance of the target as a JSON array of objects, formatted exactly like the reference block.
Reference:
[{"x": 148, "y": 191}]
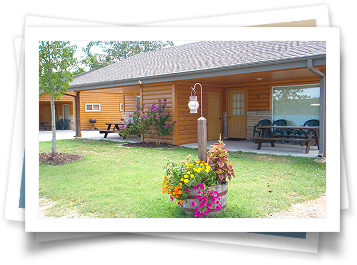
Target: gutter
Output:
[{"x": 310, "y": 67}]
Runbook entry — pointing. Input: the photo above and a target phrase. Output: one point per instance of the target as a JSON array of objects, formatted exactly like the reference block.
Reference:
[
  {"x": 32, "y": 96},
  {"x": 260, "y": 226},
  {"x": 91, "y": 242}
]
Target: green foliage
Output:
[
  {"x": 219, "y": 161},
  {"x": 114, "y": 51},
  {"x": 56, "y": 60},
  {"x": 152, "y": 120}
]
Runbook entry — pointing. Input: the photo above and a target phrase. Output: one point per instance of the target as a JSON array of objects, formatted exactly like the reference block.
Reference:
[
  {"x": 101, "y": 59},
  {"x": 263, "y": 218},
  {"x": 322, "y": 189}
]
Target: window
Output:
[
  {"x": 238, "y": 104},
  {"x": 296, "y": 104},
  {"x": 93, "y": 107}
]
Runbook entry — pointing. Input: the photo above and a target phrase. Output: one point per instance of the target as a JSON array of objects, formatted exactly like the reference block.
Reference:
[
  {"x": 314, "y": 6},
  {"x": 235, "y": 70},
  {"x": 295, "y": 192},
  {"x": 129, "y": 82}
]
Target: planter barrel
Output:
[{"x": 221, "y": 189}]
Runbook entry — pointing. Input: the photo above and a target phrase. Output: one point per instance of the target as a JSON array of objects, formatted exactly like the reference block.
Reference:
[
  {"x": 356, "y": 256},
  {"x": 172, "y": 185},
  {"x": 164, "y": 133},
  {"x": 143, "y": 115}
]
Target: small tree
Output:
[{"x": 56, "y": 59}]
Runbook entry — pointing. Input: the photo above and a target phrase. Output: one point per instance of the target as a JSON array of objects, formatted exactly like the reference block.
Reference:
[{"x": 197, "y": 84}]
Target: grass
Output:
[{"x": 112, "y": 181}]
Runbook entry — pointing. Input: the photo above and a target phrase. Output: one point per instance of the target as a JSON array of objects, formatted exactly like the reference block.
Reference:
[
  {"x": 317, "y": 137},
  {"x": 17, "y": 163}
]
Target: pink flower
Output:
[
  {"x": 198, "y": 192},
  {"x": 186, "y": 190},
  {"x": 209, "y": 205},
  {"x": 193, "y": 204},
  {"x": 194, "y": 187},
  {"x": 204, "y": 212}
]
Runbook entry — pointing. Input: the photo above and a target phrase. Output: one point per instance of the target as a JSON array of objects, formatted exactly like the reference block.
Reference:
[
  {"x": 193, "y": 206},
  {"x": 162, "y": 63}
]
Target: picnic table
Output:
[
  {"x": 43, "y": 125},
  {"x": 307, "y": 135},
  {"x": 110, "y": 129}
]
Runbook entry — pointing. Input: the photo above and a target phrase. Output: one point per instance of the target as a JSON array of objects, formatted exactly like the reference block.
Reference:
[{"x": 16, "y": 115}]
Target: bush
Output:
[{"x": 152, "y": 121}]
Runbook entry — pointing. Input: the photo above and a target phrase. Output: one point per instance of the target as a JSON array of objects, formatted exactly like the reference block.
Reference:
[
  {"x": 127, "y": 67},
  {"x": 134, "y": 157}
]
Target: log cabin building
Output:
[{"x": 243, "y": 82}]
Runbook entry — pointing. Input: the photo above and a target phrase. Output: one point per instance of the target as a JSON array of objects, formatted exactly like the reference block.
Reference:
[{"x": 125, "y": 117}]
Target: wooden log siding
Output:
[
  {"x": 186, "y": 121},
  {"x": 150, "y": 94},
  {"x": 110, "y": 109}
]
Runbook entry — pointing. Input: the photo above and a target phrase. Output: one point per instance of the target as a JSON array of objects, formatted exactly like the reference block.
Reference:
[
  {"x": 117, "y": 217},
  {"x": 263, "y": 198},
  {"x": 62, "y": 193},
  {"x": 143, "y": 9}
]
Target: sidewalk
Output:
[{"x": 69, "y": 134}]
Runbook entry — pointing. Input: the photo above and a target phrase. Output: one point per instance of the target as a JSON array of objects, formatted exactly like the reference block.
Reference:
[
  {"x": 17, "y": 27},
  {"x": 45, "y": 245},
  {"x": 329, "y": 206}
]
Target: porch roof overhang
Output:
[{"x": 275, "y": 65}]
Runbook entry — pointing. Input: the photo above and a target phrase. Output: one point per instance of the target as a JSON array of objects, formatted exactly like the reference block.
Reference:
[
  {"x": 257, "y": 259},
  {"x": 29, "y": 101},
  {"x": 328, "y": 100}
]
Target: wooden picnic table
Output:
[
  {"x": 43, "y": 125},
  {"x": 109, "y": 129},
  {"x": 307, "y": 135}
]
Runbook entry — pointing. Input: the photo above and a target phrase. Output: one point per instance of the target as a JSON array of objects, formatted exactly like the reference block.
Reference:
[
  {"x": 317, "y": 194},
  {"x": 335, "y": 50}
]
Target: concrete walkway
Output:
[
  {"x": 244, "y": 146},
  {"x": 69, "y": 134},
  {"x": 249, "y": 146}
]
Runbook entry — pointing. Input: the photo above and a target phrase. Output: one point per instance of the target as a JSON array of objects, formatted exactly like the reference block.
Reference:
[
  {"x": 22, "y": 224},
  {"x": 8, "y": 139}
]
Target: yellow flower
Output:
[
  {"x": 180, "y": 183},
  {"x": 192, "y": 176},
  {"x": 208, "y": 167},
  {"x": 181, "y": 179},
  {"x": 185, "y": 176},
  {"x": 186, "y": 180},
  {"x": 207, "y": 170},
  {"x": 188, "y": 172},
  {"x": 191, "y": 165},
  {"x": 186, "y": 164}
]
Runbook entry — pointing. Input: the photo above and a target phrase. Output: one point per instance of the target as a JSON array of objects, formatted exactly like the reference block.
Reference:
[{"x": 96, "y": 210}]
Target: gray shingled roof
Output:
[{"x": 200, "y": 56}]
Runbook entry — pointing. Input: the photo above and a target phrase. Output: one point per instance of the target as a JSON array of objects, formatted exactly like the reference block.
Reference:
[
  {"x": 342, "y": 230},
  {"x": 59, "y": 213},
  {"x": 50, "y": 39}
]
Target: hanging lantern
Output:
[{"x": 193, "y": 104}]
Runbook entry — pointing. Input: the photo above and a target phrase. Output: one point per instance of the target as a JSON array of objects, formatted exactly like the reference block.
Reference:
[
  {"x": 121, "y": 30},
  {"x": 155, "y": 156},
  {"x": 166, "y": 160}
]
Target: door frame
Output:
[{"x": 229, "y": 103}]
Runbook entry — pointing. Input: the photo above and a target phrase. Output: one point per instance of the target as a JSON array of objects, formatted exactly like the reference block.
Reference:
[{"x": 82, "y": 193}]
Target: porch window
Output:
[
  {"x": 296, "y": 104},
  {"x": 93, "y": 107},
  {"x": 238, "y": 104}
]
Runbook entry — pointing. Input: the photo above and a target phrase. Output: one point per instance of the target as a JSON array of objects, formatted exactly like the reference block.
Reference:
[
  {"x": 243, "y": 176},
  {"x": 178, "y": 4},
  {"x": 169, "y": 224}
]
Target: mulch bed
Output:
[
  {"x": 59, "y": 159},
  {"x": 150, "y": 145}
]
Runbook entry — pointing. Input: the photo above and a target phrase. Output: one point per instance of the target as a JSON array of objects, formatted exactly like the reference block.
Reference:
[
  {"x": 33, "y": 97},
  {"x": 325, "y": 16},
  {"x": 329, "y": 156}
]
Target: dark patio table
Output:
[
  {"x": 109, "y": 130},
  {"x": 307, "y": 135}
]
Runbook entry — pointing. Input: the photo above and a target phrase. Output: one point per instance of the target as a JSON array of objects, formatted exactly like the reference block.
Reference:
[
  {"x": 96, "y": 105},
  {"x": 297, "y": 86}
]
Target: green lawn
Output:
[{"x": 112, "y": 181}]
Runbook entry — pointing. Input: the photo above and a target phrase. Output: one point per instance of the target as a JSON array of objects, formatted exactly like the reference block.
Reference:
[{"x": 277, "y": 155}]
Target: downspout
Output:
[
  {"x": 310, "y": 67},
  {"x": 75, "y": 108}
]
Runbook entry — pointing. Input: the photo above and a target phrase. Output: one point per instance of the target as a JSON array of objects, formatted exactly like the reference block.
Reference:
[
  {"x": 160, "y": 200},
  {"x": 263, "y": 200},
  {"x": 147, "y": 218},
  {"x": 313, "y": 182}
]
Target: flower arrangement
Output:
[
  {"x": 218, "y": 159},
  {"x": 185, "y": 175},
  {"x": 194, "y": 179}
]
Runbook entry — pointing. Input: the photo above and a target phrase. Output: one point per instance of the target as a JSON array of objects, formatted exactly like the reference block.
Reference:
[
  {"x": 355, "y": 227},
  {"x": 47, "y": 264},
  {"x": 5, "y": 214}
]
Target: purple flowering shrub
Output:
[{"x": 153, "y": 120}]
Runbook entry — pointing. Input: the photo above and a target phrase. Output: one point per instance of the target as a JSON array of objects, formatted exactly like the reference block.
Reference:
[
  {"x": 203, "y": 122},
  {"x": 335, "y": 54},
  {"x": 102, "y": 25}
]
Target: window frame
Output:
[{"x": 92, "y": 104}]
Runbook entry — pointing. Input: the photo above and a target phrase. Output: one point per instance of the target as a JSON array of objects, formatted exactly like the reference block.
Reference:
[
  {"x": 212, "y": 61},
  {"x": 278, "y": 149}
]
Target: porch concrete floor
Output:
[
  {"x": 279, "y": 149},
  {"x": 244, "y": 146}
]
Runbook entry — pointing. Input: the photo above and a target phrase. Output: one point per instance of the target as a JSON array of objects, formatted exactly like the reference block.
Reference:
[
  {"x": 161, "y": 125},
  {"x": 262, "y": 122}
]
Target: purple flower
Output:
[
  {"x": 143, "y": 116},
  {"x": 174, "y": 122},
  {"x": 122, "y": 119},
  {"x": 165, "y": 99},
  {"x": 166, "y": 126}
]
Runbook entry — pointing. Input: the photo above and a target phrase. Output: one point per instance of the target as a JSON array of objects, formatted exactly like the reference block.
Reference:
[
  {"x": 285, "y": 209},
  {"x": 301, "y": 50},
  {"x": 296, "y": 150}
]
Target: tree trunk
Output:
[{"x": 53, "y": 111}]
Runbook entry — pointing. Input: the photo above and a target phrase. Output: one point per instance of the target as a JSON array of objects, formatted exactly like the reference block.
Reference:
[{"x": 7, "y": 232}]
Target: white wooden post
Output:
[{"x": 202, "y": 138}]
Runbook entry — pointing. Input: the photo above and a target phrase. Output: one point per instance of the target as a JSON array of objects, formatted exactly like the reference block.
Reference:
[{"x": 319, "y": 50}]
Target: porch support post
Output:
[
  {"x": 310, "y": 66},
  {"x": 202, "y": 138},
  {"x": 78, "y": 115}
]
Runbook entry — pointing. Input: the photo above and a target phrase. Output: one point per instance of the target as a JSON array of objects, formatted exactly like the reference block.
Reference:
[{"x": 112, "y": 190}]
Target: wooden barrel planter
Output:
[{"x": 221, "y": 189}]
